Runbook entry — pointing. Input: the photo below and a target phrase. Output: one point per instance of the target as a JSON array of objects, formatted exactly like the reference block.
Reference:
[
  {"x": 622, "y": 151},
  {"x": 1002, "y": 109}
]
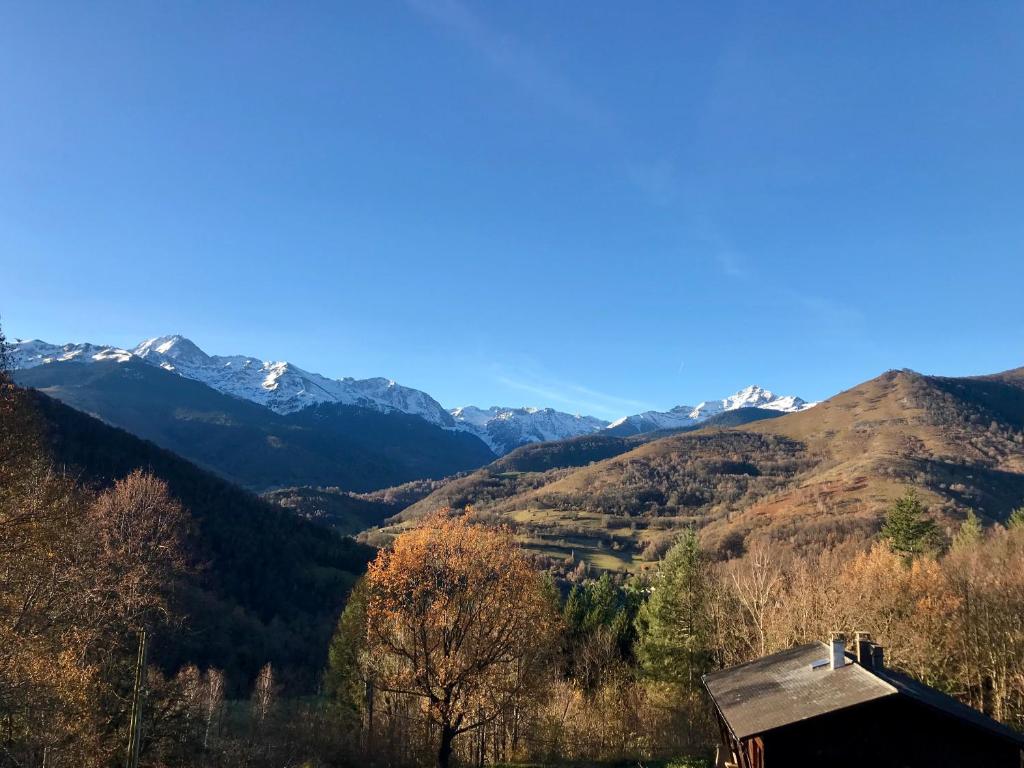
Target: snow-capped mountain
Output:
[
  {"x": 28, "y": 354},
  {"x": 652, "y": 421},
  {"x": 280, "y": 386},
  {"x": 686, "y": 416},
  {"x": 504, "y": 429},
  {"x": 751, "y": 397},
  {"x": 286, "y": 388}
]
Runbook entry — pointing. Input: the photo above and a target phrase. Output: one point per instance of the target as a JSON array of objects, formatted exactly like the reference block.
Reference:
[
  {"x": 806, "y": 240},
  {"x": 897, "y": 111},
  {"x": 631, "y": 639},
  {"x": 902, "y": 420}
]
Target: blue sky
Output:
[{"x": 600, "y": 207}]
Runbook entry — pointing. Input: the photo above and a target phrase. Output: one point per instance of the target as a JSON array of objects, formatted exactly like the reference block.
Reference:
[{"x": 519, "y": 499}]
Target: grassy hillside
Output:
[
  {"x": 329, "y": 445},
  {"x": 269, "y": 587},
  {"x": 822, "y": 476}
]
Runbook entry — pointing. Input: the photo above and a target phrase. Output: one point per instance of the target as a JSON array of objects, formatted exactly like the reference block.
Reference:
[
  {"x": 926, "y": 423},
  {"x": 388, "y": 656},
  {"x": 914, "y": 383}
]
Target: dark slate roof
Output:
[
  {"x": 794, "y": 685},
  {"x": 923, "y": 694},
  {"x": 784, "y": 688}
]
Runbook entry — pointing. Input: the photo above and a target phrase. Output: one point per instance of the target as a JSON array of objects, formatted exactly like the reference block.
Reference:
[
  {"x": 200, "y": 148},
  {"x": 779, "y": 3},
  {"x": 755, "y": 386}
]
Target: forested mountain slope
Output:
[
  {"x": 819, "y": 476},
  {"x": 268, "y": 585},
  {"x": 328, "y": 444}
]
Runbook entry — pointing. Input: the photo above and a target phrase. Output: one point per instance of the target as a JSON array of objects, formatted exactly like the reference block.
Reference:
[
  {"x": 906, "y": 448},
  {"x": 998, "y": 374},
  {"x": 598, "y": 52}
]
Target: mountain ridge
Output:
[
  {"x": 330, "y": 444},
  {"x": 286, "y": 389}
]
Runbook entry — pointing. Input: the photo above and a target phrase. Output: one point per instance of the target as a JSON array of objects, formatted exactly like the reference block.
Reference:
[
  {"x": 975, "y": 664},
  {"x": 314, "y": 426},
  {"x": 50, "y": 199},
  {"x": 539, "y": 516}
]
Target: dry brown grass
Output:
[{"x": 824, "y": 476}]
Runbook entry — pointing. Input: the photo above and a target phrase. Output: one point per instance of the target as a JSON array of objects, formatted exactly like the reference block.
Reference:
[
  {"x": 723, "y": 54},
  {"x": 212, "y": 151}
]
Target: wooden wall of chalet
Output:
[{"x": 894, "y": 732}]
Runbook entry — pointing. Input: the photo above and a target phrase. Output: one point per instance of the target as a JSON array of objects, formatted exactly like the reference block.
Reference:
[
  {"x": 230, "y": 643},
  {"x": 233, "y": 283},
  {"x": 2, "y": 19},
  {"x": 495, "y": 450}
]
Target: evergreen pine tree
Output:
[
  {"x": 907, "y": 528},
  {"x": 603, "y": 603},
  {"x": 674, "y": 629},
  {"x": 343, "y": 680},
  {"x": 576, "y": 609},
  {"x": 971, "y": 531}
]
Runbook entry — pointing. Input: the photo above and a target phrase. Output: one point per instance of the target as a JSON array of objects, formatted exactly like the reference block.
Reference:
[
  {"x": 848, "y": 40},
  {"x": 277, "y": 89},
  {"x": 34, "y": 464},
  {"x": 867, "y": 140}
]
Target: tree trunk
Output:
[{"x": 444, "y": 752}]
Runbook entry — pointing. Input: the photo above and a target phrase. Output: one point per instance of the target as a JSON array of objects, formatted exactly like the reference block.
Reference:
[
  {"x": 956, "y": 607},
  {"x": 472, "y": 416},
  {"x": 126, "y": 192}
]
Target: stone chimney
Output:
[
  {"x": 862, "y": 645},
  {"x": 869, "y": 654},
  {"x": 877, "y": 657},
  {"x": 837, "y": 650}
]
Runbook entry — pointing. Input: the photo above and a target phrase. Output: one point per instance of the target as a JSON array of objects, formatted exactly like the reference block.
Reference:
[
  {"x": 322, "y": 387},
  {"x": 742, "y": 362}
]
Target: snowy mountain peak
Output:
[
  {"x": 683, "y": 416},
  {"x": 751, "y": 397},
  {"x": 504, "y": 429},
  {"x": 175, "y": 346}
]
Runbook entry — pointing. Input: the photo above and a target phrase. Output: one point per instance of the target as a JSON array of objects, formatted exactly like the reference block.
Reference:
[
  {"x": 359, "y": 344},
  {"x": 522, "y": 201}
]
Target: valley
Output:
[
  {"x": 750, "y": 468},
  {"x": 755, "y": 508},
  {"x": 822, "y": 477}
]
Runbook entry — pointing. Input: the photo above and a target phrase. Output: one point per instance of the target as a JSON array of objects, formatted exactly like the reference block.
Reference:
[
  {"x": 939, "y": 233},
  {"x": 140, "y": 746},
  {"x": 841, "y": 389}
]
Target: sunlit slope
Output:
[{"x": 821, "y": 476}]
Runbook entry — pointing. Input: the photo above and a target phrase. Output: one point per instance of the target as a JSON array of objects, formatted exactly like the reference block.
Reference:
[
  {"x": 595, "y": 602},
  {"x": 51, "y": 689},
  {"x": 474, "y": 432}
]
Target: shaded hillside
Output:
[
  {"x": 574, "y": 452},
  {"x": 401, "y": 496},
  {"x": 270, "y": 586},
  {"x": 343, "y": 511},
  {"x": 580, "y": 451},
  {"x": 326, "y": 445},
  {"x": 348, "y": 512},
  {"x": 824, "y": 475}
]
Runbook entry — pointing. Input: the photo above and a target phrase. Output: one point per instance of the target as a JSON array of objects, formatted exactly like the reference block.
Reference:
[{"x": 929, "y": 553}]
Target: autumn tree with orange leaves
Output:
[{"x": 458, "y": 617}]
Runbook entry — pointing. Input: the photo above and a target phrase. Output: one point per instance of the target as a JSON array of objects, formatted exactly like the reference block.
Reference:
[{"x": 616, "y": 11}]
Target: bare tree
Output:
[
  {"x": 757, "y": 582},
  {"x": 263, "y": 694}
]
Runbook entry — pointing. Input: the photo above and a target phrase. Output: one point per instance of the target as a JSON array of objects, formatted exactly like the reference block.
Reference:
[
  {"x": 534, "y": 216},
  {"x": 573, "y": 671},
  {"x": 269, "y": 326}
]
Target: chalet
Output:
[{"x": 820, "y": 705}]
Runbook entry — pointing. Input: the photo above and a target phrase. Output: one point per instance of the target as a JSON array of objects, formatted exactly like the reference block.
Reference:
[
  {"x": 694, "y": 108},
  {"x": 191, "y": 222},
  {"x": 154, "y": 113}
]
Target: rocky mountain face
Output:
[{"x": 505, "y": 429}]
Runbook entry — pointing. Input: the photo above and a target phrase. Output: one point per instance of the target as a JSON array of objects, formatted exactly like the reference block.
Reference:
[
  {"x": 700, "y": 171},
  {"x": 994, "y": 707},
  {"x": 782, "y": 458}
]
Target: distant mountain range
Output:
[
  {"x": 327, "y": 444},
  {"x": 280, "y": 386},
  {"x": 287, "y": 389}
]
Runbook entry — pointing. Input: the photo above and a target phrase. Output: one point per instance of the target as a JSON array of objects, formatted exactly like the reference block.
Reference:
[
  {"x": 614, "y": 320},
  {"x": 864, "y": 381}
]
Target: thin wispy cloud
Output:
[
  {"x": 512, "y": 58},
  {"x": 731, "y": 264},
  {"x": 712, "y": 240},
  {"x": 832, "y": 317},
  {"x": 656, "y": 180},
  {"x": 570, "y": 396}
]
